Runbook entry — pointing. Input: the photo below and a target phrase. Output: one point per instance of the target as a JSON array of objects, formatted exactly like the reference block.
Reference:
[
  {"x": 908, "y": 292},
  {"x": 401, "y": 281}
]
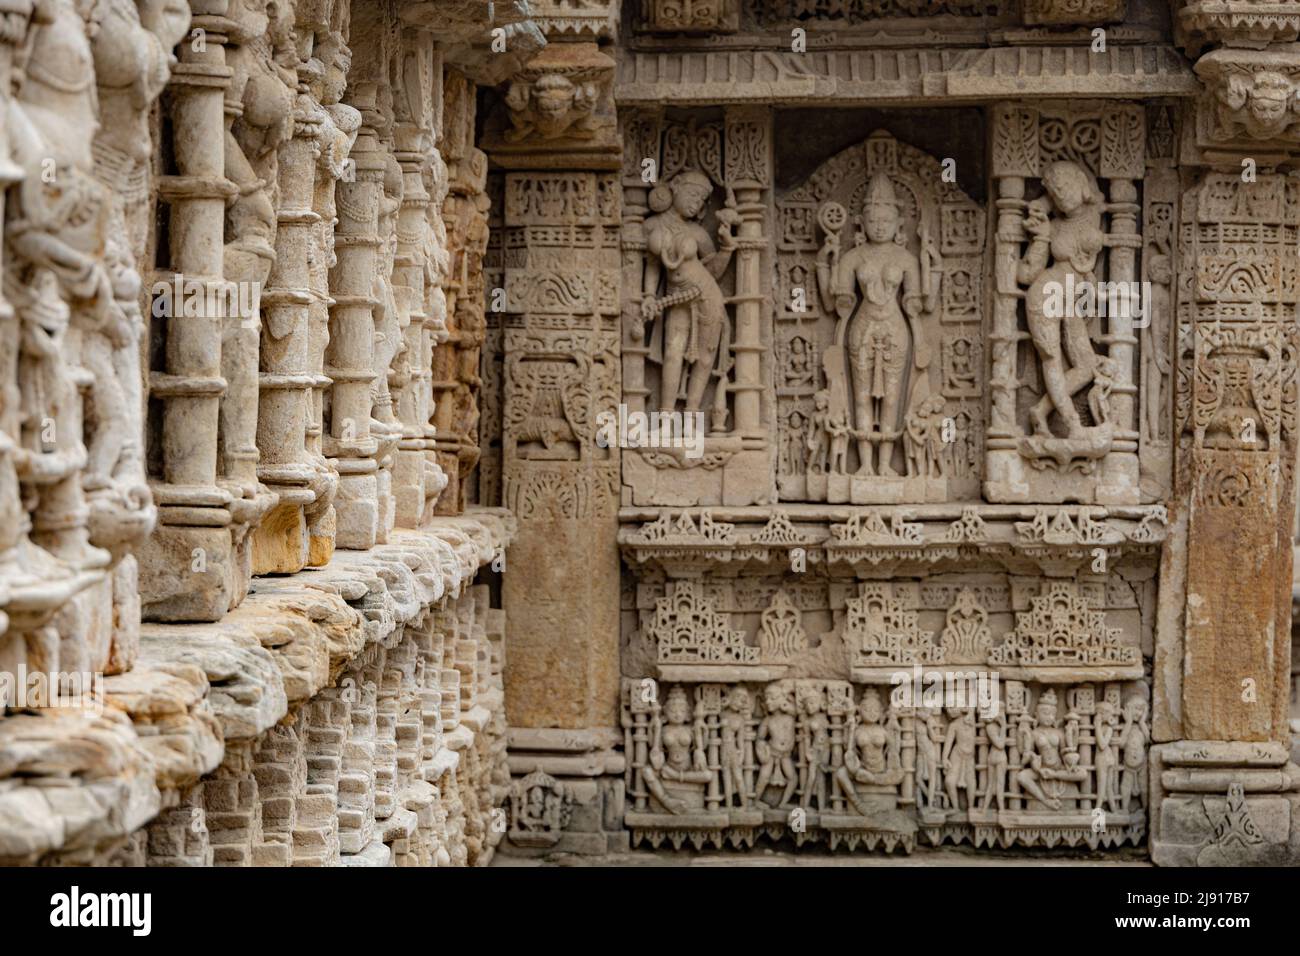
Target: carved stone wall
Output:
[
  {"x": 243, "y": 302},
  {"x": 889, "y": 409},
  {"x": 955, "y": 431}
]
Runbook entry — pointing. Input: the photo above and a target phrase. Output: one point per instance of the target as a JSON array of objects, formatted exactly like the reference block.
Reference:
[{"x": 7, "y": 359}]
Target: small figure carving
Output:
[
  {"x": 924, "y": 438},
  {"x": 828, "y": 438},
  {"x": 775, "y": 745}
]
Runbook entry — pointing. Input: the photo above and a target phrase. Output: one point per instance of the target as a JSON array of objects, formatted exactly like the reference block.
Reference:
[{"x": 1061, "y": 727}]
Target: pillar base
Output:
[
  {"x": 187, "y": 574},
  {"x": 1224, "y": 803}
]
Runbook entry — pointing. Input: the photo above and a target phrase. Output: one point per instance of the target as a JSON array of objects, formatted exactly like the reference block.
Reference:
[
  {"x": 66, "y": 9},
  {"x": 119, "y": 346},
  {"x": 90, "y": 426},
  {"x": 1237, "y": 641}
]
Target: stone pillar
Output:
[
  {"x": 562, "y": 258},
  {"x": 747, "y": 169},
  {"x": 188, "y": 566},
  {"x": 280, "y": 543},
  {"x": 1223, "y": 788},
  {"x": 339, "y": 126},
  {"x": 418, "y": 270},
  {"x": 455, "y": 381},
  {"x": 350, "y": 354}
]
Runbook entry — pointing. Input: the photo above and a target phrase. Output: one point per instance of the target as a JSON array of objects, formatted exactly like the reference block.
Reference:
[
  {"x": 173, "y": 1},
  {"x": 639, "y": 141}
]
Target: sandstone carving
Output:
[{"x": 431, "y": 431}]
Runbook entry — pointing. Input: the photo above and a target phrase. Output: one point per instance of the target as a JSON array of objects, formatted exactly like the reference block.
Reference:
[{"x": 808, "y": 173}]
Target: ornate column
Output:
[
  {"x": 416, "y": 479},
  {"x": 641, "y": 132},
  {"x": 188, "y": 567},
  {"x": 280, "y": 543},
  {"x": 1223, "y": 788},
  {"x": 555, "y": 138},
  {"x": 455, "y": 362},
  {"x": 133, "y": 53},
  {"x": 350, "y": 354},
  {"x": 45, "y": 557},
  {"x": 340, "y": 125},
  {"x": 748, "y": 172}
]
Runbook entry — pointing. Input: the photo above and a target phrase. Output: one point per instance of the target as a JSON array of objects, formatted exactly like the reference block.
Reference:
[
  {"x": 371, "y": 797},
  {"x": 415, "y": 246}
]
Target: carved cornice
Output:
[
  {"x": 1058, "y": 539},
  {"x": 855, "y": 78},
  {"x": 1238, "y": 23},
  {"x": 1074, "y": 12},
  {"x": 576, "y": 19}
]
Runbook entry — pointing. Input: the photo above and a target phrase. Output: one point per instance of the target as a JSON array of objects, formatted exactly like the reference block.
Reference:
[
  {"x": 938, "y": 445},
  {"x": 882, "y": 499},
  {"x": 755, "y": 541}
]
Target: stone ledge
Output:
[{"x": 79, "y": 784}]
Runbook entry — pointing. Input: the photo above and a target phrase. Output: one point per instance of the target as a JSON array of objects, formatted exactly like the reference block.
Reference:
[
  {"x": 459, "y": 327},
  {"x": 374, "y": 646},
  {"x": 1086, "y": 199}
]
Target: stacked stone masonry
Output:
[
  {"x": 242, "y": 310},
  {"x": 335, "y": 341}
]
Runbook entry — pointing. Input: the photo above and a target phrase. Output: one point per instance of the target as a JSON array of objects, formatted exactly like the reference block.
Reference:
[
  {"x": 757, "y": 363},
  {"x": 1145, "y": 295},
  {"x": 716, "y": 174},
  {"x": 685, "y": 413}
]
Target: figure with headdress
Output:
[
  {"x": 1063, "y": 253},
  {"x": 694, "y": 314},
  {"x": 876, "y": 289}
]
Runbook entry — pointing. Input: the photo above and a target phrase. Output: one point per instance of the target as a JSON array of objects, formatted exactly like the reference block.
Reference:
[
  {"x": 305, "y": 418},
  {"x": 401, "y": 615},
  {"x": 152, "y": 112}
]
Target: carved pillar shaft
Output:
[
  {"x": 350, "y": 355},
  {"x": 1123, "y": 161},
  {"x": 748, "y": 165},
  {"x": 640, "y": 144},
  {"x": 1003, "y": 336},
  {"x": 188, "y": 573},
  {"x": 280, "y": 543}
]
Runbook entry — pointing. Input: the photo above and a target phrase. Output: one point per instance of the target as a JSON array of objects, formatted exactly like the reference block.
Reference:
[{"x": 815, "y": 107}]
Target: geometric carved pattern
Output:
[
  {"x": 880, "y": 631},
  {"x": 1061, "y": 629},
  {"x": 688, "y": 629}
]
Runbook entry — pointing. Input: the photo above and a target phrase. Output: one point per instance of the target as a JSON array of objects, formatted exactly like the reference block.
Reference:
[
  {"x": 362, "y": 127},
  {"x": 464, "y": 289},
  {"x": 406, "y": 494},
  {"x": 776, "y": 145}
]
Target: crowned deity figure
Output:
[{"x": 879, "y": 290}]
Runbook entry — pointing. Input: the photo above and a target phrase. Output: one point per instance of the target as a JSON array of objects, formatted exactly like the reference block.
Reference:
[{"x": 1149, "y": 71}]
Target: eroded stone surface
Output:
[{"x": 973, "y": 524}]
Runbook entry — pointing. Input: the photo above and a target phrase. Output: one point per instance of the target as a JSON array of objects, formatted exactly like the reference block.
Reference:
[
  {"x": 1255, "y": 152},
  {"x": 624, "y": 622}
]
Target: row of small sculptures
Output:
[{"x": 813, "y": 746}]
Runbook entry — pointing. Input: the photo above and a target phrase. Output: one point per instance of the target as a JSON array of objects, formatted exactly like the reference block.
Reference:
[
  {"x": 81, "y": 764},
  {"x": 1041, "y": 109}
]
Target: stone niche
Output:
[{"x": 903, "y": 589}]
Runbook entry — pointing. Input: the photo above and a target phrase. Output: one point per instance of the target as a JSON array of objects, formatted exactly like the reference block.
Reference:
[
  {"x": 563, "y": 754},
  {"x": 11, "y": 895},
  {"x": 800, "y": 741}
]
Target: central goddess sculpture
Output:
[{"x": 886, "y": 350}]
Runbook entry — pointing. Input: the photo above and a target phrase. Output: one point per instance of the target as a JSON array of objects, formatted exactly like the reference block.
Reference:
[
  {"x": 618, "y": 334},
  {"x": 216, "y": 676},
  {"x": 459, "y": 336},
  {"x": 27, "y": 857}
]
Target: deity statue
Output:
[
  {"x": 814, "y": 745},
  {"x": 1050, "y": 761},
  {"x": 930, "y": 734},
  {"x": 1105, "y": 756},
  {"x": 1133, "y": 749},
  {"x": 879, "y": 289},
  {"x": 995, "y": 729},
  {"x": 734, "y": 728},
  {"x": 959, "y": 756},
  {"x": 691, "y": 334},
  {"x": 1071, "y": 241},
  {"x": 60, "y": 227},
  {"x": 677, "y": 752},
  {"x": 1156, "y": 363},
  {"x": 873, "y": 755}
]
